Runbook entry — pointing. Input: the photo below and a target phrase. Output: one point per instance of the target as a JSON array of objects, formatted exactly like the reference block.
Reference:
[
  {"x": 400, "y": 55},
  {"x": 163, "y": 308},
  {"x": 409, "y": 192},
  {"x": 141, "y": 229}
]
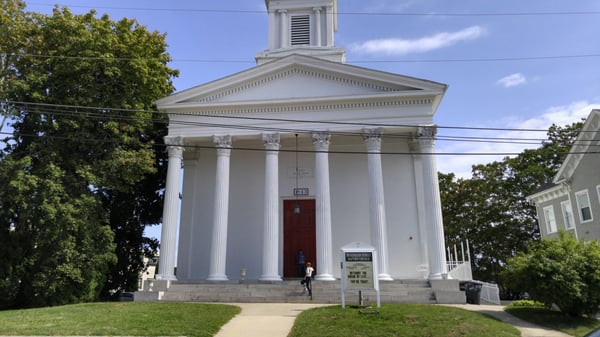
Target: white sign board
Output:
[{"x": 359, "y": 269}]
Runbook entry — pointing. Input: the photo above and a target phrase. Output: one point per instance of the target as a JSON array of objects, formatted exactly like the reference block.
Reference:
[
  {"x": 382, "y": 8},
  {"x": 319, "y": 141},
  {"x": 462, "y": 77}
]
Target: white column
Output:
[
  {"x": 323, "y": 207},
  {"x": 284, "y": 31},
  {"x": 317, "y": 11},
  {"x": 330, "y": 25},
  {"x": 435, "y": 224},
  {"x": 270, "y": 265},
  {"x": 168, "y": 236},
  {"x": 272, "y": 31},
  {"x": 372, "y": 138},
  {"x": 218, "y": 252}
]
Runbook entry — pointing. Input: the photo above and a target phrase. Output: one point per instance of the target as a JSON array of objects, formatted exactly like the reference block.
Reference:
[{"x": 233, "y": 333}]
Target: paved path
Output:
[
  {"x": 277, "y": 319},
  {"x": 264, "y": 319}
]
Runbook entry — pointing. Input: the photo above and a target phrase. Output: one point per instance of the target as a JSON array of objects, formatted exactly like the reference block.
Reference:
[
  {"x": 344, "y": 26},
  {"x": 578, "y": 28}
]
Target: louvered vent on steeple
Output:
[
  {"x": 300, "y": 25},
  {"x": 303, "y": 27}
]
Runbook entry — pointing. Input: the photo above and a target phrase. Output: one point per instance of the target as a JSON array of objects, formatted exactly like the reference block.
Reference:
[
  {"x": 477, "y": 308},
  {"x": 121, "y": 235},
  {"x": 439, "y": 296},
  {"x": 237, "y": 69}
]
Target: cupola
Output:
[{"x": 302, "y": 27}]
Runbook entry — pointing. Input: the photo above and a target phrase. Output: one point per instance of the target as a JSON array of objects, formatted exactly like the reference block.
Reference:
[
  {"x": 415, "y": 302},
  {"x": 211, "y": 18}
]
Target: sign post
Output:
[{"x": 359, "y": 269}]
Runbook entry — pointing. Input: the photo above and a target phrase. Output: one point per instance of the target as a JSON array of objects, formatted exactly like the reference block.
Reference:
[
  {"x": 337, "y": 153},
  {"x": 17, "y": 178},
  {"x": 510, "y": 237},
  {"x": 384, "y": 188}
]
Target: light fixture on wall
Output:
[{"x": 297, "y": 205}]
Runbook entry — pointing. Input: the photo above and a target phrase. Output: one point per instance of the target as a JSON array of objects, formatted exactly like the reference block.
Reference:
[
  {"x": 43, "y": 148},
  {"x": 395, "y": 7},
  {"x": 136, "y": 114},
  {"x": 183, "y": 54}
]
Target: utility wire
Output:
[
  {"x": 232, "y": 61},
  {"x": 101, "y": 109},
  {"x": 286, "y": 150},
  {"x": 241, "y": 11},
  {"x": 472, "y": 139}
]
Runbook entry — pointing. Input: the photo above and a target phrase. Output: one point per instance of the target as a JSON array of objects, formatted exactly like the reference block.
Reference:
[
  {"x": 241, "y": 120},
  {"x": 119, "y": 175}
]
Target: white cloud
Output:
[
  {"x": 397, "y": 46},
  {"x": 512, "y": 80},
  {"x": 461, "y": 164}
]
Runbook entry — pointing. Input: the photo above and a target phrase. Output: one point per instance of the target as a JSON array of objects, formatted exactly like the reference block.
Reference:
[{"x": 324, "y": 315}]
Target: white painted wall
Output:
[{"x": 349, "y": 197}]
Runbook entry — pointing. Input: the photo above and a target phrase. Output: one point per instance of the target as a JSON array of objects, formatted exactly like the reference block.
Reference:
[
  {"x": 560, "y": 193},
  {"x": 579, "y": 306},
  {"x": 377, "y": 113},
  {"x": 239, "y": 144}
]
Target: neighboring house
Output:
[
  {"x": 572, "y": 200},
  {"x": 302, "y": 152}
]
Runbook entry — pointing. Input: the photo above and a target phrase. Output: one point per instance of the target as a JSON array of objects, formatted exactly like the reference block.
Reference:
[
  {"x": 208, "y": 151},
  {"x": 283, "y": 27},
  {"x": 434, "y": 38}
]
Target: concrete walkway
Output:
[
  {"x": 277, "y": 319},
  {"x": 264, "y": 319}
]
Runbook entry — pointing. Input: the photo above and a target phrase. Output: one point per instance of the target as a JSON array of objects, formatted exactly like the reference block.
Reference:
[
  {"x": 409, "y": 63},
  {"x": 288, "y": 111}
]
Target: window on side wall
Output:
[
  {"x": 567, "y": 212},
  {"x": 583, "y": 204},
  {"x": 550, "y": 219}
]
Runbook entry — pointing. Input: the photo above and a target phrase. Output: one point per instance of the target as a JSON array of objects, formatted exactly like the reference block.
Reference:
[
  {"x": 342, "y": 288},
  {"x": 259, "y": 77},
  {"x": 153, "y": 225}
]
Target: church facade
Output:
[{"x": 301, "y": 152}]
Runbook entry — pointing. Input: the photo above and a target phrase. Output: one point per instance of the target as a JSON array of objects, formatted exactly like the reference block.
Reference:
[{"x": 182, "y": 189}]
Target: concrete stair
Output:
[{"x": 291, "y": 291}]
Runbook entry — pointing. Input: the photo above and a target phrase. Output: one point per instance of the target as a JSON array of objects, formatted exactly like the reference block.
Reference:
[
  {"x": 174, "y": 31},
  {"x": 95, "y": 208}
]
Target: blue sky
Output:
[{"x": 509, "y": 64}]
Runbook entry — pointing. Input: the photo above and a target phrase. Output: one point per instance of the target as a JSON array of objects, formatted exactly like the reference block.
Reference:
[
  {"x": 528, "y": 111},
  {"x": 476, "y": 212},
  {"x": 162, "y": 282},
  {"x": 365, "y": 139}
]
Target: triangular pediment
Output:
[{"x": 296, "y": 78}]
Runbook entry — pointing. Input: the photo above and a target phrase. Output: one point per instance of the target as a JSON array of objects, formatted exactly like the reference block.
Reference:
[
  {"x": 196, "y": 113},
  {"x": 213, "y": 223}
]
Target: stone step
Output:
[{"x": 399, "y": 291}]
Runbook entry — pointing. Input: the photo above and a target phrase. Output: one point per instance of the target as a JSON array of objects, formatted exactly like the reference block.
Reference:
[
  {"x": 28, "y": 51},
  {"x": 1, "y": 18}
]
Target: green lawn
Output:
[
  {"x": 574, "y": 326},
  {"x": 119, "y": 319},
  {"x": 406, "y": 320},
  {"x": 195, "y": 319}
]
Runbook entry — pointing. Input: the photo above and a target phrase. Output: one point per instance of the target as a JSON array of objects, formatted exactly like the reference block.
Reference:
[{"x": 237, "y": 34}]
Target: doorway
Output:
[{"x": 299, "y": 233}]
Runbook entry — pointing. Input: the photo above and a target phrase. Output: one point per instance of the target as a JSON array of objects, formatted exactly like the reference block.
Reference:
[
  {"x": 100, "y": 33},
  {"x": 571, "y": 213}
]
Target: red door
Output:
[{"x": 298, "y": 234}]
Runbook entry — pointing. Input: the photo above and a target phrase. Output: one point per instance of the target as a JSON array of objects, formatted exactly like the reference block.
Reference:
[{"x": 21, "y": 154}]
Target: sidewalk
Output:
[
  {"x": 277, "y": 319},
  {"x": 264, "y": 319}
]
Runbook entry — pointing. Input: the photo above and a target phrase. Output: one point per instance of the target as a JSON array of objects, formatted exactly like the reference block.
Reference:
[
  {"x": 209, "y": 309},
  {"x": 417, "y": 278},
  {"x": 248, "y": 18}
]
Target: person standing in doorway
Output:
[
  {"x": 300, "y": 260},
  {"x": 308, "y": 278}
]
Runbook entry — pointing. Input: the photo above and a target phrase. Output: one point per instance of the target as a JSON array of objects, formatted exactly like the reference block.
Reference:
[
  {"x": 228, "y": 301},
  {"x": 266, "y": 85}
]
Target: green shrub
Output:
[
  {"x": 526, "y": 303},
  {"x": 563, "y": 272}
]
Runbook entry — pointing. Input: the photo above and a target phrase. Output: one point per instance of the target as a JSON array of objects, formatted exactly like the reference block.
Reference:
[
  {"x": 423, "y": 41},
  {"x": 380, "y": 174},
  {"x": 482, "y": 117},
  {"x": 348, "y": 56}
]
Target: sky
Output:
[{"x": 508, "y": 64}]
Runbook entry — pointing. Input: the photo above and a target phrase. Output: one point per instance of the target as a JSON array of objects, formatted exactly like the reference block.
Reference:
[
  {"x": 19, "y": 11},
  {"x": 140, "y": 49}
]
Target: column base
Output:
[
  {"x": 165, "y": 277},
  {"x": 439, "y": 276},
  {"x": 217, "y": 278},
  {"x": 384, "y": 277},
  {"x": 324, "y": 277},
  {"x": 270, "y": 278}
]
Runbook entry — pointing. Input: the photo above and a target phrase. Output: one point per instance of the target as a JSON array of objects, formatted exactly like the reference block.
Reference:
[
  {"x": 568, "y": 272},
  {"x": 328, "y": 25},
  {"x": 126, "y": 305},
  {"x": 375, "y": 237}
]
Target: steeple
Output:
[{"x": 302, "y": 27}]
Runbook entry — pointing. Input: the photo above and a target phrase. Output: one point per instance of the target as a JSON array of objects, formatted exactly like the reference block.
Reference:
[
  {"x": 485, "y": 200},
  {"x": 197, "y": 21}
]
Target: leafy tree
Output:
[
  {"x": 89, "y": 84},
  {"x": 490, "y": 209},
  {"x": 561, "y": 272}
]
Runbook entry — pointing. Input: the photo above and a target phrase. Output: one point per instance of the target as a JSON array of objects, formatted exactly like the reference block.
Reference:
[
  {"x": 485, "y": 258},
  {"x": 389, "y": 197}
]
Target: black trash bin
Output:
[{"x": 473, "y": 292}]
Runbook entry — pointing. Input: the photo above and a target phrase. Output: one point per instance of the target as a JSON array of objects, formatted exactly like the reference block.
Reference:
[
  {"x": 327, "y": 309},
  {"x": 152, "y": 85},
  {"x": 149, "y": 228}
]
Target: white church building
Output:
[{"x": 301, "y": 152}]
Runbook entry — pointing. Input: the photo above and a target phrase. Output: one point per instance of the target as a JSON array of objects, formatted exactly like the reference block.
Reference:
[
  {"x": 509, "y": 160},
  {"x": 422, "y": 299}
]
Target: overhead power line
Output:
[
  {"x": 448, "y": 60},
  {"x": 242, "y": 11},
  {"x": 98, "y": 113}
]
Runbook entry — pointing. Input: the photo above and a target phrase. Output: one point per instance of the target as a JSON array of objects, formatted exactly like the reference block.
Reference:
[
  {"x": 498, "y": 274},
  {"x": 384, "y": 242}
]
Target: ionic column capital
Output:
[
  {"x": 173, "y": 140},
  {"x": 321, "y": 140},
  {"x": 426, "y": 136},
  {"x": 372, "y": 138},
  {"x": 271, "y": 141},
  {"x": 223, "y": 142}
]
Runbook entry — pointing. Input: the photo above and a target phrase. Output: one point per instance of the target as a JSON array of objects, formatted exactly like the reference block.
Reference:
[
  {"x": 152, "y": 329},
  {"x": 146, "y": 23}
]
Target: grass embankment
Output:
[
  {"x": 574, "y": 326},
  {"x": 195, "y": 319},
  {"x": 406, "y": 320},
  {"x": 119, "y": 319}
]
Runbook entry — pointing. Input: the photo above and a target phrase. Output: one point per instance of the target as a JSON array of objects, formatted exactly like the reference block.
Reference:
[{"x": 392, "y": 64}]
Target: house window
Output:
[
  {"x": 567, "y": 212},
  {"x": 300, "y": 30},
  {"x": 583, "y": 203},
  {"x": 550, "y": 219}
]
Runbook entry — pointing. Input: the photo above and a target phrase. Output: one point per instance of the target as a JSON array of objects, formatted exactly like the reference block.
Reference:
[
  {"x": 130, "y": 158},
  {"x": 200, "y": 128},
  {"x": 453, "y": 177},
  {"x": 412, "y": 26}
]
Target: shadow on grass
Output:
[{"x": 575, "y": 326}]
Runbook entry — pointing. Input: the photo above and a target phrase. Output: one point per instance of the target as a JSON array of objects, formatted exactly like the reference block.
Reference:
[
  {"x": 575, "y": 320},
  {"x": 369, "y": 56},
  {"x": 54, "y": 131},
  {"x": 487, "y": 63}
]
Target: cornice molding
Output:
[
  {"x": 550, "y": 194},
  {"x": 301, "y": 107}
]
